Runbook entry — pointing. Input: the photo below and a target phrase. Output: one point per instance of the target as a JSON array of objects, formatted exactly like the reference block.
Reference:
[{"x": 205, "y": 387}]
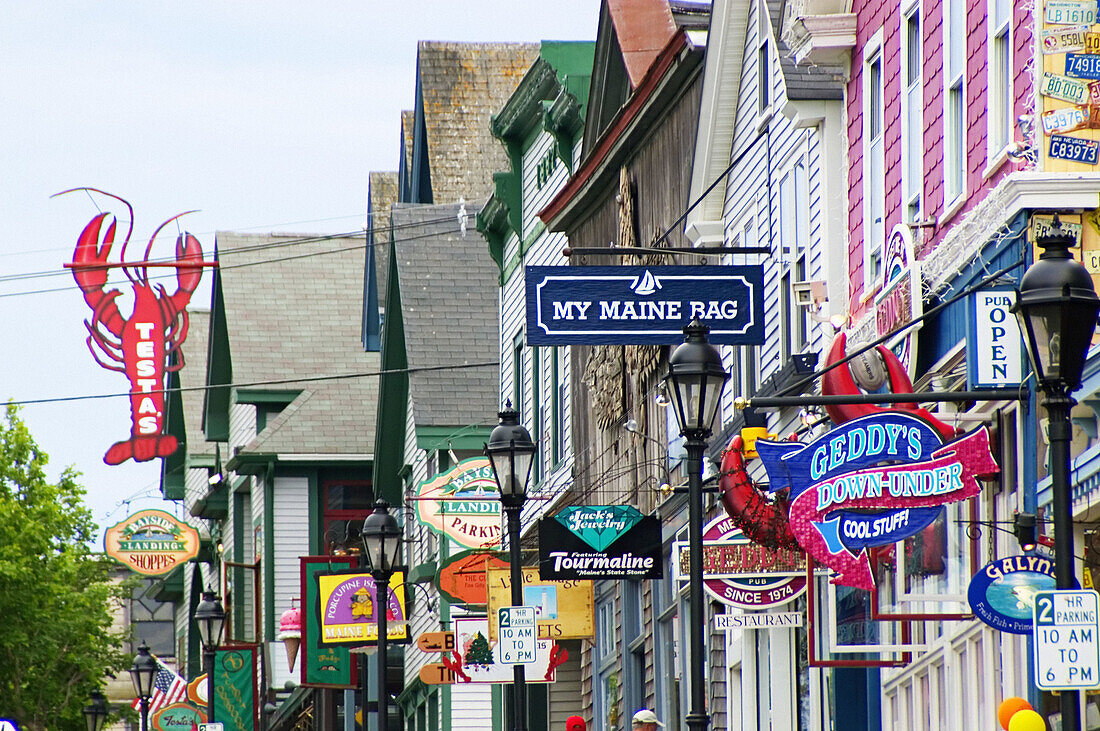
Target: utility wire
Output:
[
  {"x": 298, "y": 241},
  {"x": 276, "y": 260},
  {"x": 272, "y": 382}
]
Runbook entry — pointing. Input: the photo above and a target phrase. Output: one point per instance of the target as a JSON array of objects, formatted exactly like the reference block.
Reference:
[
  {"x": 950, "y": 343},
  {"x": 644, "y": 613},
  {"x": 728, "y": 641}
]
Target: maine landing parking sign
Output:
[{"x": 637, "y": 305}]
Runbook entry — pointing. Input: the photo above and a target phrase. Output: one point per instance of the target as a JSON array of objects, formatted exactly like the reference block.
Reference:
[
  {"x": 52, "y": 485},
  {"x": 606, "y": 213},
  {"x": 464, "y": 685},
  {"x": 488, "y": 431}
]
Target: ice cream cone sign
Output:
[{"x": 290, "y": 632}]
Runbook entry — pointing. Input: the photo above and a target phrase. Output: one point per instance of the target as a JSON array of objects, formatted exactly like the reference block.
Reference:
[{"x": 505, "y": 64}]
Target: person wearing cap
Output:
[
  {"x": 575, "y": 723},
  {"x": 645, "y": 720}
]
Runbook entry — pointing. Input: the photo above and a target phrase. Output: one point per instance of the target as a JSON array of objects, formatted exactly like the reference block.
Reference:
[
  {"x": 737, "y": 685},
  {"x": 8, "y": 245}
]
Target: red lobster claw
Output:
[
  {"x": 90, "y": 272},
  {"x": 839, "y": 382},
  {"x": 187, "y": 277},
  {"x": 762, "y": 522}
]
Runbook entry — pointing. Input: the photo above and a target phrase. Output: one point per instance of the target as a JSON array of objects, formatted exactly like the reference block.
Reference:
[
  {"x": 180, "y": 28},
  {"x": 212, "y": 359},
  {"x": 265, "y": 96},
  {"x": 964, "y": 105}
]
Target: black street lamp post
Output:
[
  {"x": 210, "y": 617},
  {"x": 382, "y": 544},
  {"x": 142, "y": 673},
  {"x": 1057, "y": 307},
  {"x": 694, "y": 382},
  {"x": 512, "y": 452},
  {"x": 95, "y": 713}
]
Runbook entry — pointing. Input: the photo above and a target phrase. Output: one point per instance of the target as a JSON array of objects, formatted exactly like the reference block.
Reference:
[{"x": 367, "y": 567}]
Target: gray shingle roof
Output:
[
  {"x": 803, "y": 82},
  {"x": 449, "y": 290},
  {"x": 463, "y": 85},
  {"x": 381, "y": 194},
  {"x": 193, "y": 375},
  {"x": 294, "y": 310}
]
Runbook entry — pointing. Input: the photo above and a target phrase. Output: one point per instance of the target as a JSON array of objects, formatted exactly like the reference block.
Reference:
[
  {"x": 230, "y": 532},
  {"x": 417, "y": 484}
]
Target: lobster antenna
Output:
[
  {"x": 123, "y": 201},
  {"x": 149, "y": 246}
]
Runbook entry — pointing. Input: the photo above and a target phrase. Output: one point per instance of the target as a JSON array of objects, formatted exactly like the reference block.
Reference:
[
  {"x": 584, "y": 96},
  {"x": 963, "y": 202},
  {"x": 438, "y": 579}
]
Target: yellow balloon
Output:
[
  {"x": 1026, "y": 720},
  {"x": 1010, "y": 707}
]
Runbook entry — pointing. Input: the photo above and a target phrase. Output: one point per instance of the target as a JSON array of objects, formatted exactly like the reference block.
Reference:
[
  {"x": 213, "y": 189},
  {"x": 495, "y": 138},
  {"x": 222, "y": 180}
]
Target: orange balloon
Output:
[
  {"x": 1008, "y": 709},
  {"x": 1027, "y": 720}
]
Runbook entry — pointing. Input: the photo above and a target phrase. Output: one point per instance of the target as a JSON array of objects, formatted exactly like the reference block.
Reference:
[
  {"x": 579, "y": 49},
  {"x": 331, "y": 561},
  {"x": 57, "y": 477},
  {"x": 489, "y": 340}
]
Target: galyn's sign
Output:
[{"x": 632, "y": 305}]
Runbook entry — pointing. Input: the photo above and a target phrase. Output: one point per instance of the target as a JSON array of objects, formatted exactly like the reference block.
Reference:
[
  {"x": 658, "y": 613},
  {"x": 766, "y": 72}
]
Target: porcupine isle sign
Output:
[{"x": 145, "y": 346}]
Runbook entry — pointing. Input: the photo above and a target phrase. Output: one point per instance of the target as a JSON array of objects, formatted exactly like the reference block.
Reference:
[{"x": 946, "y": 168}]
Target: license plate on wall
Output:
[
  {"x": 1062, "y": 87},
  {"x": 1074, "y": 148},
  {"x": 1070, "y": 12},
  {"x": 1062, "y": 40},
  {"x": 1083, "y": 66},
  {"x": 1063, "y": 120}
]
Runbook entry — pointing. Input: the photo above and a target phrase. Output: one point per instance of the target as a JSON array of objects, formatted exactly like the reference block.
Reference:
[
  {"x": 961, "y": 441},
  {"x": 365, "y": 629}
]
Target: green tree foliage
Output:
[{"x": 56, "y": 595}]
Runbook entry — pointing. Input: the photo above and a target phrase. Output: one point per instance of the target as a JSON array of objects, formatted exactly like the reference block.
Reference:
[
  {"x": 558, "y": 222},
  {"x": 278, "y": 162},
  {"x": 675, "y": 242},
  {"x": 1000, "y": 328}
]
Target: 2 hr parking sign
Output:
[{"x": 1067, "y": 646}]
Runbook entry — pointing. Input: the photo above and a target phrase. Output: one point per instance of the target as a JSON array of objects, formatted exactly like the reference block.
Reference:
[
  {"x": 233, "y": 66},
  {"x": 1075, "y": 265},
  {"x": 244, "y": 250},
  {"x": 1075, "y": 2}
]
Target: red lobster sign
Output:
[{"x": 142, "y": 344}]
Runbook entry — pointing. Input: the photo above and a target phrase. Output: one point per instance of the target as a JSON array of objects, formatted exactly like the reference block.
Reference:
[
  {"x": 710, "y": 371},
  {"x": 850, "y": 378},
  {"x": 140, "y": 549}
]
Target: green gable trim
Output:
[
  {"x": 422, "y": 573},
  {"x": 413, "y": 696},
  {"x": 215, "y": 504},
  {"x": 170, "y": 587},
  {"x": 261, "y": 396},
  {"x": 563, "y": 118},
  {"x": 448, "y": 437},
  {"x": 492, "y": 222},
  {"x": 393, "y": 393},
  {"x": 174, "y": 466},
  {"x": 521, "y": 112},
  {"x": 199, "y": 461},
  {"x": 525, "y": 246},
  {"x": 219, "y": 371}
]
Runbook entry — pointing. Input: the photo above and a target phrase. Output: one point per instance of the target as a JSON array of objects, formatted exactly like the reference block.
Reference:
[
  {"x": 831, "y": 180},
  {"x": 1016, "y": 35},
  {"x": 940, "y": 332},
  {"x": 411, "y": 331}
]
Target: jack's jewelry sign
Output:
[
  {"x": 871, "y": 482},
  {"x": 600, "y": 542},
  {"x": 637, "y": 305}
]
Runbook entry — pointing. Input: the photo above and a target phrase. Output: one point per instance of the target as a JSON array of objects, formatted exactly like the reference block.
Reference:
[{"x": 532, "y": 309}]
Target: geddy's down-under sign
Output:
[{"x": 632, "y": 305}]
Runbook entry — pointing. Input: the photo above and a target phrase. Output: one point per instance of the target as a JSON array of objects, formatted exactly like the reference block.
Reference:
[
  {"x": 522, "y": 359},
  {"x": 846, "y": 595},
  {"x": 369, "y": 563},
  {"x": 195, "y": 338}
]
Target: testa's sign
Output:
[
  {"x": 349, "y": 612},
  {"x": 462, "y": 504},
  {"x": 1002, "y": 593},
  {"x": 870, "y": 482},
  {"x": 177, "y": 717},
  {"x": 151, "y": 542},
  {"x": 639, "y": 305},
  {"x": 600, "y": 542},
  {"x": 144, "y": 346},
  {"x": 741, "y": 573}
]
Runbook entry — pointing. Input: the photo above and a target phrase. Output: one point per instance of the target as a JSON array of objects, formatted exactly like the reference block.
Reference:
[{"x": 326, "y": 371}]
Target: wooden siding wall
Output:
[{"x": 660, "y": 172}]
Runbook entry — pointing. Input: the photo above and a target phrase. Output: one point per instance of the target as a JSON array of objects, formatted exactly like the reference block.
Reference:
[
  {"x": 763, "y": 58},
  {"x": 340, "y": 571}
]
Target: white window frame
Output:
[
  {"x": 765, "y": 92},
  {"x": 874, "y": 164},
  {"x": 912, "y": 113},
  {"x": 954, "y": 119},
  {"x": 1000, "y": 99},
  {"x": 794, "y": 243}
]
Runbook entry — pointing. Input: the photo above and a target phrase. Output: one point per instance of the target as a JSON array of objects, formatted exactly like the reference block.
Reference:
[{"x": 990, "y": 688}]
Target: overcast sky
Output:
[{"x": 263, "y": 116}]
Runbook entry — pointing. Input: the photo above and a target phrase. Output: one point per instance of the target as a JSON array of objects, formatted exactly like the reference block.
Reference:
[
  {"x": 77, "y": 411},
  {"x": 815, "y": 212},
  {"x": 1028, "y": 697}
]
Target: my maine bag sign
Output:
[
  {"x": 600, "y": 542},
  {"x": 638, "y": 305}
]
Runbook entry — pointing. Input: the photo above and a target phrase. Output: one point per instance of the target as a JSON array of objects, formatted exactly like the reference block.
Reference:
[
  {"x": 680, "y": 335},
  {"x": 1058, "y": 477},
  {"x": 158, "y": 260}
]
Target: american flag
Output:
[{"x": 168, "y": 688}]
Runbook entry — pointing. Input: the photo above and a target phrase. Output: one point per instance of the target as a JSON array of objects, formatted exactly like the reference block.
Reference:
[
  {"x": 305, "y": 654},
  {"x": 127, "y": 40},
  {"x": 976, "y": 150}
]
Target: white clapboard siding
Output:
[
  {"x": 289, "y": 539},
  {"x": 470, "y": 704},
  {"x": 541, "y": 148},
  {"x": 766, "y": 154},
  {"x": 242, "y": 426}
]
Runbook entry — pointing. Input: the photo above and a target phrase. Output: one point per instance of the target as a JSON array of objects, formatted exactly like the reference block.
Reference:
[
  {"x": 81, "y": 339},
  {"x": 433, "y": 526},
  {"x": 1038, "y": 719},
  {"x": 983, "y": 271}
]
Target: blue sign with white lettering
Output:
[
  {"x": 637, "y": 305},
  {"x": 1083, "y": 65}
]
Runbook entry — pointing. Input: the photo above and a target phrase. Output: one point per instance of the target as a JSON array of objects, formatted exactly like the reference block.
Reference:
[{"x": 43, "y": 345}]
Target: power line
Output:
[
  {"x": 273, "y": 382},
  {"x": 261, "y": 247},
  {"x": 297, "y": 241}
]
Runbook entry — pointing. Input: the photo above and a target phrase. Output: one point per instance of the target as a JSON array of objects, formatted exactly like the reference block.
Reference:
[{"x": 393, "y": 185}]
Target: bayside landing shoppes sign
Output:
[{"x": 632, "y": 305}]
